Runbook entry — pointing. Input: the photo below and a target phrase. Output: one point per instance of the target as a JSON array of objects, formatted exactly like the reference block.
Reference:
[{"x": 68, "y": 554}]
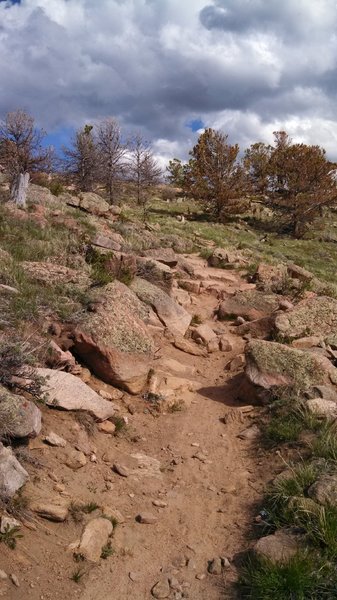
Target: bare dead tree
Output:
[
  {"x": 144, "y": 170},
  {"x": 21, "y": 152},
  {"x": 111, "y": 155},
  {"x": 81, "y": 159}
]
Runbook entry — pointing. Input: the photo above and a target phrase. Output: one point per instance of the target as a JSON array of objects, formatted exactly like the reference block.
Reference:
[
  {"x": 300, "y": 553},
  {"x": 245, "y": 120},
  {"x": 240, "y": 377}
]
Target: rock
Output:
[
  {"x": 115, "y": 210},
  {"x": 251, "y": 433},
  {"x": 203, "y": 334},
  {"x": 55, "y": 440},
  {"x": 326, "y": 392},
  {"x": 222, "y": 258},
  {"x": 135, "y": 577},
  {"x": 307, "y": 342},
  {"x": 173, "y": 316},
  {"x": 213, "y": 345},
  {"x": 70, "y": 393},
  {"x": 161, "y": 589},
  {"x": 119, "y": 321},
  {"x": 225, "y": 345},
  {"x": 112, "y": 394},
  {"x": 94, "y": 537},
  {"x": 146, "y": 518},
  {"x": 260, "y": 328},
  {"x": 324, "y": 490},
  {"x": 269, "y": 364},
  {"x": 3, "y": 575},
  {"x": 93, "y": 204},
  {"x": 285, "y": 305},
  {"x": 8, "y": 523},
  {"x": 250, "y": 304},
  {"x": 322, "y": 408},
  {"x": 50, "y": 511},
  {"x": 316, "y": 316},
  {"x": 83, "y": 444},
  {"x": 181, "y": 297},
  {"x": 15, "y": 580},
  {"x": 215, "y": 566},
  {"x": 8, "y": 290},
  {"x": 279, "y": 547},
  {"x": 58, "y": 359},
  {"x": 159, "y": 503},
  {"x": 112, "y": 242},
  {"x": 121, "y": 470},
  {"x": 163, "y": 255},
  {"x": 113, "y": 513},
  {"x": 48, "y": 273},
  {"x": 297, "y": 272},
  {"x": 270, "y": 278},
  {"x": 176, "y": 367},
  {"x": 20, "y": 417},
  {"x": 128, "y": 371},
  {"x": 12, "y": 475},
  {"x": 75, "y": 459},
  {"x": 190, "y": 285},
  {"x": 155, "y": 272},
  {"x": 107, "y": 427},
  {"x": 236, "y": 363},
  {"x": 188, "y": 347}
]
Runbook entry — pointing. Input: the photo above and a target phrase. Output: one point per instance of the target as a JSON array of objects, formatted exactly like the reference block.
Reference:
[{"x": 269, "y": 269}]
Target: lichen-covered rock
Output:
[
  {"x": 315, "y": 316},
  {"x": 119, "y": 320},
  {"x": 222, "y": 258},
  {"x": 324, "y": 490},
  {"x": 94, "y": 204},
  {"x": 50, "y": 273},
  {"x": 250, "y": 305},
  {"x": 322, "y": 408},
  {"x": 270, "y": 278},
  {"x": 174, "y": 317},
  {"x": 278, "y": 547},
  {"x": 163, "y": 255},
  {"x": 19, "y": 417},
  {"x": 269, "y": 364}
]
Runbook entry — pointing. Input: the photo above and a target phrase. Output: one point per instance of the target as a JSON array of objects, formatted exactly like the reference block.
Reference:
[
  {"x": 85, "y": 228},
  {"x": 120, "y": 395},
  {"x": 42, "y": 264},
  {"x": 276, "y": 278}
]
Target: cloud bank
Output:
[{"x": 247, "y": 67}]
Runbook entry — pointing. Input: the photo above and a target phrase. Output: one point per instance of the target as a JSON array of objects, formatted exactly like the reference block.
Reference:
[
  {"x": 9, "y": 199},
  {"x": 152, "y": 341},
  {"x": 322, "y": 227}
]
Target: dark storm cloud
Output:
[{"x": 246, "y": 66}]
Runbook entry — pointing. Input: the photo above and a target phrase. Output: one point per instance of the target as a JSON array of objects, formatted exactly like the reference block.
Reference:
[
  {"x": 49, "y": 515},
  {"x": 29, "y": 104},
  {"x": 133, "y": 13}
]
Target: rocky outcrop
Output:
[
  {"x": 93, "y": 204},
  {"x": 12, "y": 475},
  {"x": 250, "y": 304},
  {"x": 269, "y": 365},
  {"x": 68, "y": 392},
  {"x": 19, "y": 417},
  {"x": 173, "y": 316},
  {"x": 315, "y": 316}
]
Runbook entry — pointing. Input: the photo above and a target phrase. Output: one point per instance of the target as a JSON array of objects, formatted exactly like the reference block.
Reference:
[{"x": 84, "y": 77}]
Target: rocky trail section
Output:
[{"x": 147, "y": 473}]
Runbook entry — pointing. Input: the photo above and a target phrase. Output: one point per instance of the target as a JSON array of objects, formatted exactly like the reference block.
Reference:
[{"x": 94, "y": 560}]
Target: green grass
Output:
[
  {"x": 10, "y": 536},
  {"x": 107, "y": 551},
  {"x": 304, "y": 577},
  {"x": 325, "y": 444},
  {"x": 77, "y": 575}
]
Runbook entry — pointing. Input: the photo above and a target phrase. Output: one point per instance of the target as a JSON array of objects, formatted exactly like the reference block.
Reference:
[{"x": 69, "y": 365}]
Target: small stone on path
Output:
[
  {"x": 161, "y": 589},
  {"x": 120, "y": 470},
  {"x": 146, "y": 518}
]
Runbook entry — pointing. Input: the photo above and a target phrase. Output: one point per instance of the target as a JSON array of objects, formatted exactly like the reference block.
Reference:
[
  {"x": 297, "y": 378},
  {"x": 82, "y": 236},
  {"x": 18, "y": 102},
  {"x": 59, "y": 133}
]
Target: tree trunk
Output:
[{"x": 19, "y": 190}]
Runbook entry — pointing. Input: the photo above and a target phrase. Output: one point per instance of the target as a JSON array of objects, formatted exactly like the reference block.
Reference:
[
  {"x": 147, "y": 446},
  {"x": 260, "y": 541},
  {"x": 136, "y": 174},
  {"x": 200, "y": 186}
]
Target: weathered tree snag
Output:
[{"x": 19, "y": 190}]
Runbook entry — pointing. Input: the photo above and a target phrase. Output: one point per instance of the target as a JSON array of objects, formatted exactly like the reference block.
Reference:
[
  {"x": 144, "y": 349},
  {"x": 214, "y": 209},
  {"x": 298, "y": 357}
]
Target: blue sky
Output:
[{"x": 166, "y": 68}]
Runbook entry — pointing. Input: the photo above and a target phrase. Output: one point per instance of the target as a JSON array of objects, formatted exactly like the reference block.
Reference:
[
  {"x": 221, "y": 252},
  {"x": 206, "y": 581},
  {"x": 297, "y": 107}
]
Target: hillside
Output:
[{"x": 168, "y": 398}]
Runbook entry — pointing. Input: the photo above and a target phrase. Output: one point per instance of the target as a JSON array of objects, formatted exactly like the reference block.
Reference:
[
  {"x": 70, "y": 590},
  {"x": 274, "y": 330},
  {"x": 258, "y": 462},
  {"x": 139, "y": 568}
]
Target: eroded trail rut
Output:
[{"x": 197, "y": 478}]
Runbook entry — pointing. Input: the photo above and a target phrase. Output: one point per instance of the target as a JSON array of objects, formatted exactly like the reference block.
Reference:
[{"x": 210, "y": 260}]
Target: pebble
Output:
[
  {"x": 146, "y": 518},
  {"x": 121, "y": 470},
  {"x": 174, "y": 584},
  {"x": 3, "y": 575},
  {"x": 55, "y": 440},
  {"x": 215, "y": 566},
  {"x": 106, "y": 427},
  {"x": 159, "y": 503},
  {"x": 15, "y": 580},
  {"x": 135, "y": 576},
  {"x": 200, "y": 576},
  {"x": 161, "y": 589}
]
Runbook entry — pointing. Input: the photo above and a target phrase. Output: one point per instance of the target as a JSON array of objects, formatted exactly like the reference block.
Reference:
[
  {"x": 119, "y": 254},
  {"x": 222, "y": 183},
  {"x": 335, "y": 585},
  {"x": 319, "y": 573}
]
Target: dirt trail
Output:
[{"x": 208, "y": 477}]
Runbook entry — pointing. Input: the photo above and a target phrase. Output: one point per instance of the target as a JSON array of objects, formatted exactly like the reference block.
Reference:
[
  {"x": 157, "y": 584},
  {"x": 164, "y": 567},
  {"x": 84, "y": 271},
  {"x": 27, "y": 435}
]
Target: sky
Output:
[{"x": 168, "y": 68}]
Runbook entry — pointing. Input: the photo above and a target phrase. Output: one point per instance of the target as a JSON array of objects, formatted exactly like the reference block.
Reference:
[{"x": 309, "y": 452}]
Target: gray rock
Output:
[
  {"x": 94, "y": 204},
  {"x": 8, "y": 523},
  {"x": 173, "y": 316},
  {"x": 322, "y": 408},
  {"x": 22, "y": 415},
  {"x": 70, "y": 393},
  {"x": 278, "y": 547},
  {"x": 324, "y": 490},
  {"x": 52, "y": 439},
  {"x": 12, "y": 475}
]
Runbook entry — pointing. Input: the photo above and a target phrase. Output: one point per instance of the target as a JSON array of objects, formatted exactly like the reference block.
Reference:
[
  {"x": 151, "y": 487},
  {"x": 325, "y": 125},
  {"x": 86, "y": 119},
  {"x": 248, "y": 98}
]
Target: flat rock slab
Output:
[
  {"x": 173, "y": 316},
  {"x": 94, "y": 537},
  {"x": 12, "y": 475},
  {"x": 312, "y": 317},
  {"x": 50, "y": 511},
  {"x": 70, "y": 393}
]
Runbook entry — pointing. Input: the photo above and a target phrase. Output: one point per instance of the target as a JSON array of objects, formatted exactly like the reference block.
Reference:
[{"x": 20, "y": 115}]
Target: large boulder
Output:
[
  {"x": 314, "y": 316},
  {"x": 12, "y": 475},
  {"x": 119, "y": 321},
  {"x": 271, "y": 365},
  {"x": 19, "y": 417},
  {"x": 68, "y": 392},
  {"x": 126, "y": 370},
  {"x": 93, "y": 204},
  {"x": 249, "y": 304},
  {"x": 173, "y": 316}
]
